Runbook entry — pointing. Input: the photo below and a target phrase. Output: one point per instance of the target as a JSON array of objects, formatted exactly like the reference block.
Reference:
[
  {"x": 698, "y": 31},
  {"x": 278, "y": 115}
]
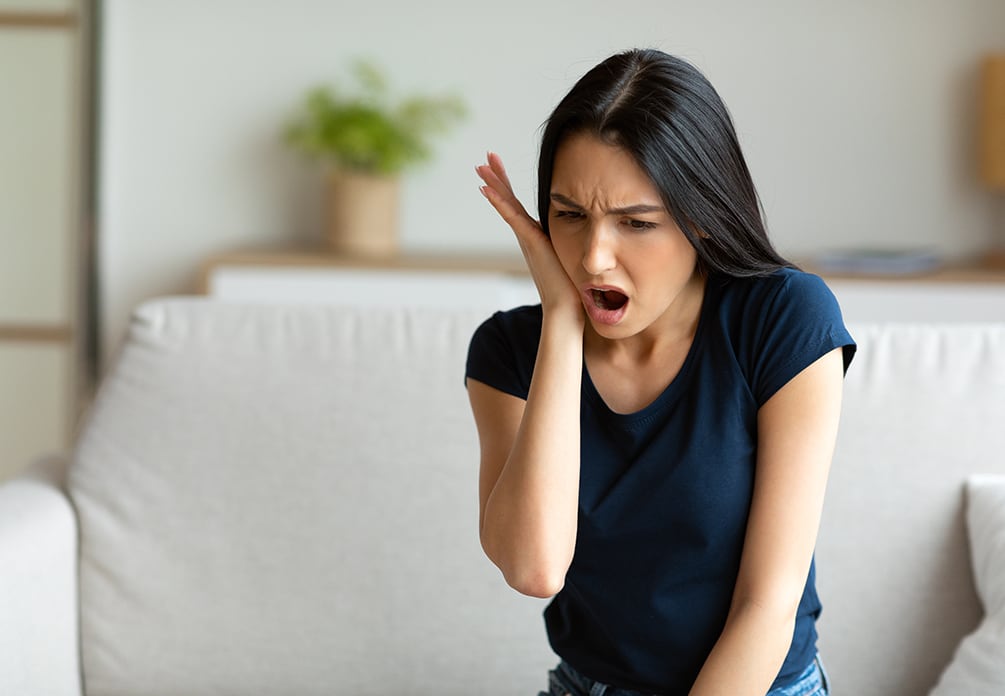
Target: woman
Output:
[{"x": 656, "y": 434}]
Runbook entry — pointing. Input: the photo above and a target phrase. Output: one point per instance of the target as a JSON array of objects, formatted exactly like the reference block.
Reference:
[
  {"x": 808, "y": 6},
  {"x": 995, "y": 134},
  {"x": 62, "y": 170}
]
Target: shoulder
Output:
[
  {"x": 512, "y": 329},
  {"x": 777, "y": 290},
  {"x": 503, "y": 349},
  {"x": 787, "y": 299},
  {"x": 779, "y": 323}
]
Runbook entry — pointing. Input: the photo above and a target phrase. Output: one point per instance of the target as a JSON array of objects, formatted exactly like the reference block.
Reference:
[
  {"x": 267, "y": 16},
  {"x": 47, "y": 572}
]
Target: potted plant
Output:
[{"x": 366, "y": 141}]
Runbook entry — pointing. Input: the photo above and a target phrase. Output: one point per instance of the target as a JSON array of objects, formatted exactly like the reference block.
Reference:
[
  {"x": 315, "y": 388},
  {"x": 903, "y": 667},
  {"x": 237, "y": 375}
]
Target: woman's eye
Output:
[
  {"x": 641, "y": 224},
  {"x": 568, "y": 214}
]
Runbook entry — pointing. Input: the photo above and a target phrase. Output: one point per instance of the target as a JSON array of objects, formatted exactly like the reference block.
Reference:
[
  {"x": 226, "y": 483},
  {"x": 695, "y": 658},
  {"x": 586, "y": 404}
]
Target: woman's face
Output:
[{"x": 633, "y": 266}]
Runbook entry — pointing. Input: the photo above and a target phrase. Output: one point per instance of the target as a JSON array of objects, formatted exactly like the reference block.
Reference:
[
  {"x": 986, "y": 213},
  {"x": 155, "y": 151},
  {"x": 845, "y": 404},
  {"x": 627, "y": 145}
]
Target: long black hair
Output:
[{"x": 666, "y": 114}]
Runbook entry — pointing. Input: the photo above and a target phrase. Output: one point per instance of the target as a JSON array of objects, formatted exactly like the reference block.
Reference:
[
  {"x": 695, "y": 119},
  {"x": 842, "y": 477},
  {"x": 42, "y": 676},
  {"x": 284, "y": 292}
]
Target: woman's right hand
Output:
[
  {"x": 529, "y": 473},
  {"x": 559, "y": 295}
]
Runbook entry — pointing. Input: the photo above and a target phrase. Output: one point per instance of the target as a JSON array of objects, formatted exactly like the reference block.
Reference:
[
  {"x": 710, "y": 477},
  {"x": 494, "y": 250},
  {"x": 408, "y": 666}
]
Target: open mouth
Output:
[{"x": 608, "y": 299}]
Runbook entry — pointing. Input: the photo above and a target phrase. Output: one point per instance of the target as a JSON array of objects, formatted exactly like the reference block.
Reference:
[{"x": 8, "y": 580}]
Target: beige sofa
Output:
[{"x": 282, "y": 500}]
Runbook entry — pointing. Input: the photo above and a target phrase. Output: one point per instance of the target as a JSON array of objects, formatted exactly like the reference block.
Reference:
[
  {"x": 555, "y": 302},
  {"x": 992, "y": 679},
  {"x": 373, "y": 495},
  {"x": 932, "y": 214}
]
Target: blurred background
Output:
[{"x": 139, "y": 138}]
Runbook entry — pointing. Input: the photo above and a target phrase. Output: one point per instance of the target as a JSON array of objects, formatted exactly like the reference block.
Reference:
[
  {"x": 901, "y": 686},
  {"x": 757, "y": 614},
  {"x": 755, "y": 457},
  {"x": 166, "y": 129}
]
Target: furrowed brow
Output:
[
  {"x": 638, "y": 209},
  {"x": 563, "y": 200}
]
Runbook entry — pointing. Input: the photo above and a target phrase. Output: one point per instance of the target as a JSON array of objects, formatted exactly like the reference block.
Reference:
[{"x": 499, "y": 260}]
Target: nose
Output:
[{"x": 599, "y": 254}]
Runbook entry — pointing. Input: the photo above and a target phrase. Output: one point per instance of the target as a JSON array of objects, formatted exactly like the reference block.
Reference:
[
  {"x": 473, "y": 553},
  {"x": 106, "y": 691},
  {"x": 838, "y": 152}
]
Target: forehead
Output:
[{"x": 591, "y": 172}]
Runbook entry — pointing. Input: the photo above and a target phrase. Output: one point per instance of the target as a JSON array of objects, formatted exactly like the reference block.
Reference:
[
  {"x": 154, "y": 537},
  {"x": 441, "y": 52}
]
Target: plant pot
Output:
[{"x": 362, "y": 214}]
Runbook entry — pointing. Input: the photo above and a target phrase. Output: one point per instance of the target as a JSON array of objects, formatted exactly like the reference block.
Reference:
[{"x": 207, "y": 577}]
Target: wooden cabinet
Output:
[
  {"x": 42, "y": 136},
  {"x": 312, "y": 276},
  {"x": 961, "y": 293}
]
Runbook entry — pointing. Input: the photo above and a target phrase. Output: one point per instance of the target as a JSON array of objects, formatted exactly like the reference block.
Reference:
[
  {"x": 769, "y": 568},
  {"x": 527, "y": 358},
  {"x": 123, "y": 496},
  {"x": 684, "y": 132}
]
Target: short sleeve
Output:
[
  {"x": 801, "y": 322},
  {"x": 503, "y": 349}
]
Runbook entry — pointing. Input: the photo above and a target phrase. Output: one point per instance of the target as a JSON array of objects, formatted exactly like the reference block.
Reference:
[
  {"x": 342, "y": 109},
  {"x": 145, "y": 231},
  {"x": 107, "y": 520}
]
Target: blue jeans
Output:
[
  {"x": 565, "y": 681},
  {"x": 812, "y": 682}
]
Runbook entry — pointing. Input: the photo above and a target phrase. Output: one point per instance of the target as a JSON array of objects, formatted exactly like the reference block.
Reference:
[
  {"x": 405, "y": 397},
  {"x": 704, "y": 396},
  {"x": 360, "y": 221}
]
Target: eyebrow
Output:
[{"x": 627, "y": 210}]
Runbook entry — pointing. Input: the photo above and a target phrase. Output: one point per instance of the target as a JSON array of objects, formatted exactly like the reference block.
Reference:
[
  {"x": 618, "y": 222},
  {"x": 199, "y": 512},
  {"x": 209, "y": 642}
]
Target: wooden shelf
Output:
[
  {"x": 975, "y": 272},
  {"x": 958, "y": 273},
  {"x": 33, "y": 333},
  {"x": 314, "y": 258},
  {"x": 37, "y": 20}
]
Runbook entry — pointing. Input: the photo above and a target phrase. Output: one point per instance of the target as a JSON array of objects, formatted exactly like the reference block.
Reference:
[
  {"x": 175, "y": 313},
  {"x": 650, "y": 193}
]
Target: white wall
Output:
[{"x": 856, "y": 115}]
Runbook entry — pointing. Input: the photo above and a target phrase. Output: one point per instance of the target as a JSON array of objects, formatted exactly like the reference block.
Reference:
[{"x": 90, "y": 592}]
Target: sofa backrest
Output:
[
  {"x": 924, "y": 408},
  {"x": 283, "y": 500},
  {"x": 279, "y": 499}
]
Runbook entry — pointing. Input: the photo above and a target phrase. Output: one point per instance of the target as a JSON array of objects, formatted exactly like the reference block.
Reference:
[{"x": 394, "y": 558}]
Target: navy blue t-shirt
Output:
[{"x": 665, "y": 492}]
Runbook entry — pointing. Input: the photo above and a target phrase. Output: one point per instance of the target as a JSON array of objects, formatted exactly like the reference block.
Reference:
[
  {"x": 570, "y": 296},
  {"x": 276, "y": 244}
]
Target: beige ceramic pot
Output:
[{"x": 362, "y": 214}]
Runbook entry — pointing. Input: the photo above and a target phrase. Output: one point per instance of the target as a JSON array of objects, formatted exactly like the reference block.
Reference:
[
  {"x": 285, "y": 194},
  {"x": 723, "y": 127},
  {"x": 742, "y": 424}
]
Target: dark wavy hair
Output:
[{"x": 666, "y": 114}]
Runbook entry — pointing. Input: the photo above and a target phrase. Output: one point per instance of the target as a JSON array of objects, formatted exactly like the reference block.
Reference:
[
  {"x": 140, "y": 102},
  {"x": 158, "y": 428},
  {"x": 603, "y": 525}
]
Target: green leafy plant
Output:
[{"x": 363, "y": 130}]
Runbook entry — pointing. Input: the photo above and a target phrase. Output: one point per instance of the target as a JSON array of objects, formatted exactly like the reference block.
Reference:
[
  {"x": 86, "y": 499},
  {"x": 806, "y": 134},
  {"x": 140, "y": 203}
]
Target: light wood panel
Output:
[
  {"x": 38, "y": 145},
  {"x": 37, "y": 7},
  {"x": 35, "y": 391},
  {"x": 25, "y": 333},
  {"x": 41, "y": 137},
  {"x": 37, "y": 20},
  {"x": 993, "y": 121}
]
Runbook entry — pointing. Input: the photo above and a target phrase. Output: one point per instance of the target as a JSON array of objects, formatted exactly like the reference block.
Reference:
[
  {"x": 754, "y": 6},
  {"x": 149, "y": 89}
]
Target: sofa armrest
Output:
[{"x": 39, "y": 644}]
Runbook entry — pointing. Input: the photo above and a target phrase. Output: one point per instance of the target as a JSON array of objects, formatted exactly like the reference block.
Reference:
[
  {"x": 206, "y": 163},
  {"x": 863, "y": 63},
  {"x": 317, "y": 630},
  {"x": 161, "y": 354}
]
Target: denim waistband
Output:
[{"x": 565, "y": 680}]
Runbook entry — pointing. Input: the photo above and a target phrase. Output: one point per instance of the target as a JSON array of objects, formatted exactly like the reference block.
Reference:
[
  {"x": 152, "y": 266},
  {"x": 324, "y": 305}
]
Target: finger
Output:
[
  {"x": 512, "y": 214},
  {"x": 496, "y": 163},
  {"x": 486, "y": 174},
  {"x": 492, "y": 180},
  {"x": 510, "y": 211}
]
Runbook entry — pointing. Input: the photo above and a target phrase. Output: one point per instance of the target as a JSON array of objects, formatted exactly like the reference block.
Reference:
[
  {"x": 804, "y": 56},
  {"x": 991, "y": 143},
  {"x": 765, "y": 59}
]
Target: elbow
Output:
[
  {"x": 541, "y": 584},
  {"x": 539, "y": 576}
]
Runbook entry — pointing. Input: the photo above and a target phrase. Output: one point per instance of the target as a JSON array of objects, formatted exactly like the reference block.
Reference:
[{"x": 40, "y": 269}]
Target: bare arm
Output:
[
  {"x": 529, "y": 476},
  {"x": 529, "y": 480},
  {"x": 797, "y": 428}
]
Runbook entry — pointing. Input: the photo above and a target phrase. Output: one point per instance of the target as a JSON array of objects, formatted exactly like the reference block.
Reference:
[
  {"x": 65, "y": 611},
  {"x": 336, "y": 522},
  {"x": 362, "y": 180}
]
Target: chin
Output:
[{"x": 622, "y": 329}]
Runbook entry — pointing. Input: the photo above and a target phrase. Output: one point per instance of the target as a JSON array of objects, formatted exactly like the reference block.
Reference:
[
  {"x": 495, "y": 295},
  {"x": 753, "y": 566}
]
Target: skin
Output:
[{"x": 609, "y": 228}]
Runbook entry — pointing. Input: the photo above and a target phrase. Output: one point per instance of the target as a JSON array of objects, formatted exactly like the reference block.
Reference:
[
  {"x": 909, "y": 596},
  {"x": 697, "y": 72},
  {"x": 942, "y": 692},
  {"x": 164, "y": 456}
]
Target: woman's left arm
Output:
[{"x": 796, "y": 428}]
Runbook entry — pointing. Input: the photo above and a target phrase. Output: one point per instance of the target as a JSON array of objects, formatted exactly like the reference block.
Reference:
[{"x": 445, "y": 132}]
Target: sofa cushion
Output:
[
  {"x": 978, "y": 668},
  {"x": 922, "y": 411},
  {"x": 283, "y": 500}
]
